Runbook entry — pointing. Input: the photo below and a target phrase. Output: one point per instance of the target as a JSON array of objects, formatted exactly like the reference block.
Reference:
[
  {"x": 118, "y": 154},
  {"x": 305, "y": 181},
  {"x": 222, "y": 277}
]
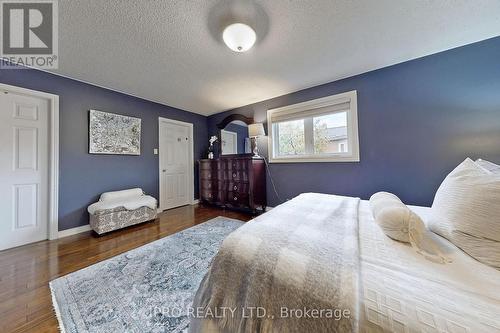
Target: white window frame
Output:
[{"x": 352, "y": 129}]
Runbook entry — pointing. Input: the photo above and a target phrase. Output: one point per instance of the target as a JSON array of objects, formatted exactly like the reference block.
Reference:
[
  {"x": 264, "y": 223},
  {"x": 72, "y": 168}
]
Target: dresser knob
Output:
[
  {"x": 209, "y": 195},
  {"x": 209, "y": 185},
  {"x": 234, "y": 165},
  {"x": 235, "y": 198},
  {"x": 234, "y": 175},
  {"x": 235, "y": 188}
]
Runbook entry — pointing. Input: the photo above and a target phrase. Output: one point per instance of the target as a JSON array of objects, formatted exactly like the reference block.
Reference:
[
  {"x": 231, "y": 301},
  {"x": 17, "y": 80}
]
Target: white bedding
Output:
[{"x": 404, "y": 292}]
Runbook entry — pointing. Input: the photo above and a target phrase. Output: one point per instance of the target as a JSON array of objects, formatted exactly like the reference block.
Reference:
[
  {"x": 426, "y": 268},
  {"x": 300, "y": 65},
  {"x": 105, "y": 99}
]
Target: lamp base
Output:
[{"x": 255, "y": 149}]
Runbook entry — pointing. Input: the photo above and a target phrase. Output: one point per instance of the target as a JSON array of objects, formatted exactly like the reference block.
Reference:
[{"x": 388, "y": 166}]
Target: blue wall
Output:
[
  {"x": 417, "y": 121},
  {"x": 84, "y": 176}
]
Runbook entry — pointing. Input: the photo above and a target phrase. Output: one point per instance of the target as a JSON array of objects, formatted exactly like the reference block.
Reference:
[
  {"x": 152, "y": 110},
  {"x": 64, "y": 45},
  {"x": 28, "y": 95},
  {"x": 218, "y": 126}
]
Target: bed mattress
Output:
[{"x": 401, "y": 291}]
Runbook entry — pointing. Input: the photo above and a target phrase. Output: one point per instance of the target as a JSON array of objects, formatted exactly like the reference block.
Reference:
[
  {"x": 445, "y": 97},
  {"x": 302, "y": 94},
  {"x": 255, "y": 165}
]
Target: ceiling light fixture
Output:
[{"x": 239, "y": 37}]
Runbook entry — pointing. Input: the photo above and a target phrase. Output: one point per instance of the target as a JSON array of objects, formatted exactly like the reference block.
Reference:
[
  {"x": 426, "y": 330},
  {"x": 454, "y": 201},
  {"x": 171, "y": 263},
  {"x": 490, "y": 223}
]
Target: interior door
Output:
[
  {"x": 175, "y": 165},
  {"x": 229, "y": 142},
  {"x": 24, "y": 169}
]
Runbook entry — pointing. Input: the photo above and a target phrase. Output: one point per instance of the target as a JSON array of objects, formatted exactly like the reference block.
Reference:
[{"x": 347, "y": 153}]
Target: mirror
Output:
[
  {"x": 234, "y": 138},
  {"x": 233, "y": 135}
]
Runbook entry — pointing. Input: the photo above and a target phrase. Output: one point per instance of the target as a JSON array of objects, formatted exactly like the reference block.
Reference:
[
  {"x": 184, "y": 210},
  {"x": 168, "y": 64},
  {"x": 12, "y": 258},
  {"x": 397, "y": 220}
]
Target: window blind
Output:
[{"x": 290, "y": 114}]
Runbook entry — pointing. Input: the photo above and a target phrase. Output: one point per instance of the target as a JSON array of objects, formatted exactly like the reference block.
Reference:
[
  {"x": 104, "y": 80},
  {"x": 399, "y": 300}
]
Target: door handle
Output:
[{"x": 163, "y": 170}]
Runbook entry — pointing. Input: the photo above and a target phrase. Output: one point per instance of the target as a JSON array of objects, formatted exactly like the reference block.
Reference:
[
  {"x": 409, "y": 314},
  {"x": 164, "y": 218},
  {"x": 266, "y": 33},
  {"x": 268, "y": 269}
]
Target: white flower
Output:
[{"x": 212, "y": 139}]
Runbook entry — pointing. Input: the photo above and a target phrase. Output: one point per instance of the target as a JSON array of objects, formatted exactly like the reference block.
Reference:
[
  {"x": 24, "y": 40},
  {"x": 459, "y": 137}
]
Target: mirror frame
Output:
[{"x": 227, "y": 121}]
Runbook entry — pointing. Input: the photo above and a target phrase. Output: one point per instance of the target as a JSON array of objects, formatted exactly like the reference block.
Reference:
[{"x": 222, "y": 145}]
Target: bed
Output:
[
  {"x": 404, "y": 292},
  {"x": 385, "y": 285}
]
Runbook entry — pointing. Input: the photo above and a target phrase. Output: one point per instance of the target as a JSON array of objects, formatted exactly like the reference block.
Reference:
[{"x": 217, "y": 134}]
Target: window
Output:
[{"x": 321, "y": 130}]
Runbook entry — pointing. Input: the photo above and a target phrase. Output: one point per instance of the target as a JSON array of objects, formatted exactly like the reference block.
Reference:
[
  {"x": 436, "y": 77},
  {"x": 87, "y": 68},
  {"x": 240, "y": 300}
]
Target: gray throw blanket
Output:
[{"x": 293, "y": 269}]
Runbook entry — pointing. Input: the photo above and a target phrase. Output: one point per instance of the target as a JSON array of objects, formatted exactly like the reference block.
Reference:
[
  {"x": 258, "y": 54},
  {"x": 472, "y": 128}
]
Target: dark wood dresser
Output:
[{"x": 237, "y": 181}]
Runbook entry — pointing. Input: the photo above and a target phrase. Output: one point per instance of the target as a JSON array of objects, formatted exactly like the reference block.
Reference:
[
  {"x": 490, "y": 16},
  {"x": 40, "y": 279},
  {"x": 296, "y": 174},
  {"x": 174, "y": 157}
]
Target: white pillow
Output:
[
  {"x": 380, "y": 200},
  {"x": 399, "y": 222},
  {"x": 490, "y": 166},
  {"x": 119, "y": 195},
  {"x": 466, "y": 211}
]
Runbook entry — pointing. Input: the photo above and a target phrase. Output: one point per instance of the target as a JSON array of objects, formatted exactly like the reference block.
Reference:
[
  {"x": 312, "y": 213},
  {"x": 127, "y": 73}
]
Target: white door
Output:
[
  {"x": 176, "y": 165},
  {"x": 229, "y": 142},
  {"x": 24, "y": 193}
]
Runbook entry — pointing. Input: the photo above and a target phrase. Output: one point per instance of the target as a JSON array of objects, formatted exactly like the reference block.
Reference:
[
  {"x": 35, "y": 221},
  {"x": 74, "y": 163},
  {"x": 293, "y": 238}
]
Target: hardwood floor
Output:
[{"x": 25, "y": 300}]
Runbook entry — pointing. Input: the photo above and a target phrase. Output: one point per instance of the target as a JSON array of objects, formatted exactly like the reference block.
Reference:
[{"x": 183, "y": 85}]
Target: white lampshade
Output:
[
  {"x": 239, "y": 37},
  {"x": 255, "y": 130}
]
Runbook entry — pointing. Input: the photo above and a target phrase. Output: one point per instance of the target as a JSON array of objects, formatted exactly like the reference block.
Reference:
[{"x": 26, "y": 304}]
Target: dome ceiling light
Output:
[{"x": 239, "y": 37}]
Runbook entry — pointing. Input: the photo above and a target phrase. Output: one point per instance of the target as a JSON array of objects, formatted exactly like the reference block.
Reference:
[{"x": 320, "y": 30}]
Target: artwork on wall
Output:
[{"x": 111, "y": 133}]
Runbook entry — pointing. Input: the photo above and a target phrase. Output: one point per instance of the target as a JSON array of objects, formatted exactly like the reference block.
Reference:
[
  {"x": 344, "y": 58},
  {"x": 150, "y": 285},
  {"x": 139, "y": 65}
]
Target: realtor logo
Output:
[{"x": 29, "y": 34}]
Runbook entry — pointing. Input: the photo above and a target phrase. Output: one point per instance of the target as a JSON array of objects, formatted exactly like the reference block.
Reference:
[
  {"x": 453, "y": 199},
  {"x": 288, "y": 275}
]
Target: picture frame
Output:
[{"x": 114, "y": 134}]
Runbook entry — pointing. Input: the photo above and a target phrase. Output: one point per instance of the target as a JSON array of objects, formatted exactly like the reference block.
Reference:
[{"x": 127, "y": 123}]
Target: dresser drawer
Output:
[
  {"x": 208, "y": 185},
  {"x": 208, "y": 174},
  {"x": 237, "y": 199},
  {"x": 209, "y": 195},
  {"x": 236, "y": 176},
  {"x": 208, "y": 166},
  {"x": 236, "y": 164},
  {"x": 206, "y": 163},
  {"x": 237, "y": 187}
]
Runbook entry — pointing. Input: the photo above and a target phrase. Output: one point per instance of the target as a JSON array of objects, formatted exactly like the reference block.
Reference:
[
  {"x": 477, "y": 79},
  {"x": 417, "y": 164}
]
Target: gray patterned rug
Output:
[{"x": 148, "y": 289}]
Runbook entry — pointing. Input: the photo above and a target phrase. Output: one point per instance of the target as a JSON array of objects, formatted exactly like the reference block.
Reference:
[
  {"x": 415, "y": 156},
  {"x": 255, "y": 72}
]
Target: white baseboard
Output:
[
  {"x": 73, "y": 231},
  {"x": 268, "y": 208},
  {"x": 193, "y": 202}
]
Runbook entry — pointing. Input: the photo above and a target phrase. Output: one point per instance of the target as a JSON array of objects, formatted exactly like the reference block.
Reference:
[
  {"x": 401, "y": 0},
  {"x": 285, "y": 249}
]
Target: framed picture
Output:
[{"x": 111, "y": 133}]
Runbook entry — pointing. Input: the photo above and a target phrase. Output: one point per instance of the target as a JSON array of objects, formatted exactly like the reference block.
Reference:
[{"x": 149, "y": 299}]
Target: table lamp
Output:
[{"x": 254, "y": 131}]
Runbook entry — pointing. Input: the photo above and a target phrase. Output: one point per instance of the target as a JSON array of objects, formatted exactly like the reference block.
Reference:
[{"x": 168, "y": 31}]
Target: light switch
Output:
[{"x": 155, "y": 151}]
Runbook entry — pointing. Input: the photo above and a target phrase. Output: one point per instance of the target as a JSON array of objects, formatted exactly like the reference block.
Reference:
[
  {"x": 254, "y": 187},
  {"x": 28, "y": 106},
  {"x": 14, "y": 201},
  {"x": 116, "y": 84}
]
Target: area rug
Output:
[{"x": 148, "y": 289}]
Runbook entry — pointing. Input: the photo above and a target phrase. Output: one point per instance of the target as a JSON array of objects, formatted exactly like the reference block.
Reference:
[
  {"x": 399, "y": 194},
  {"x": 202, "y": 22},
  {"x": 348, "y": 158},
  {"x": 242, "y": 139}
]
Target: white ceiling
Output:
[{"x": 171, "y": 52}]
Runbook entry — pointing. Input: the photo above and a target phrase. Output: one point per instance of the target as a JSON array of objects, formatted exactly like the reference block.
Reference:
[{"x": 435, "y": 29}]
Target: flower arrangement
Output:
[{"x": 212, "y": 139}]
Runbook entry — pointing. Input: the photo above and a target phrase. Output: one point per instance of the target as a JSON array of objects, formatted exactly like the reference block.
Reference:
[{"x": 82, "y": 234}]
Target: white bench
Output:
[{"x": 120, "y": 209}]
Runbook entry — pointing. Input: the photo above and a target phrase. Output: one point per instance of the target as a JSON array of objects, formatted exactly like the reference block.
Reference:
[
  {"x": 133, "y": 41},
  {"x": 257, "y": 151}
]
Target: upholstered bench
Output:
[{"x": 120, "y": 209}]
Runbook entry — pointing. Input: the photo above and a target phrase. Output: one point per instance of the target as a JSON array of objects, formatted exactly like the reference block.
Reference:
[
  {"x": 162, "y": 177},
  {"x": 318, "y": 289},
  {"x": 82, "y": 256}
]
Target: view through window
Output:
[{"x": 315, "y": 130}]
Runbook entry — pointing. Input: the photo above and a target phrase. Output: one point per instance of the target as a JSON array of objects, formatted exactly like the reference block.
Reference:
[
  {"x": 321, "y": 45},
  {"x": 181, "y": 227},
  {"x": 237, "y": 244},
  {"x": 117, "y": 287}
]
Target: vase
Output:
[{"x": 211, "y": 152}]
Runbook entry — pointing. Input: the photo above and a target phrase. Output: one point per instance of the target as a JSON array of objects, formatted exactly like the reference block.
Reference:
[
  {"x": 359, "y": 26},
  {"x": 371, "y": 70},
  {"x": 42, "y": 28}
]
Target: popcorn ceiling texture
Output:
[{"x": 171, "y": 51}]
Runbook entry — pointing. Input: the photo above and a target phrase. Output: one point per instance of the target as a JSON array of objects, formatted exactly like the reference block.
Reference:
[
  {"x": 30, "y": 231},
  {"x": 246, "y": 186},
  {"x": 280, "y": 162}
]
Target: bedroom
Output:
[{"x": 115, "y": 218}]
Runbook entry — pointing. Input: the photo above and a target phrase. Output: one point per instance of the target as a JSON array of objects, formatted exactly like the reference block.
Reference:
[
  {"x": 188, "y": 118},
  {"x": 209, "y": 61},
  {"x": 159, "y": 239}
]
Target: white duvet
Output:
[{"x": 401, "y": 291}]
